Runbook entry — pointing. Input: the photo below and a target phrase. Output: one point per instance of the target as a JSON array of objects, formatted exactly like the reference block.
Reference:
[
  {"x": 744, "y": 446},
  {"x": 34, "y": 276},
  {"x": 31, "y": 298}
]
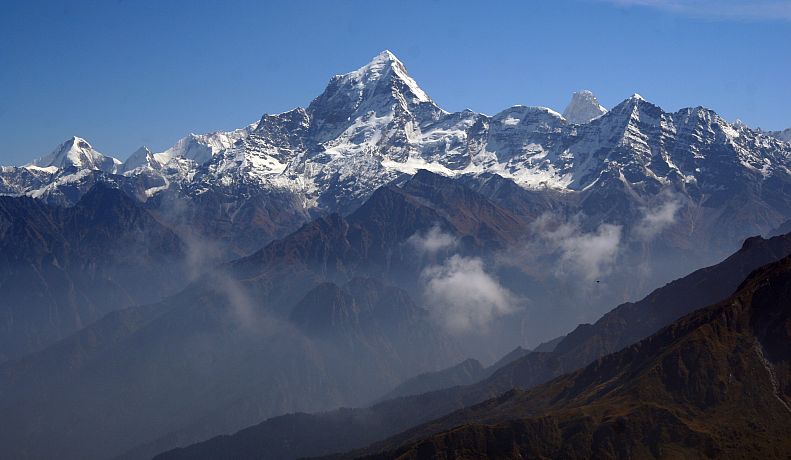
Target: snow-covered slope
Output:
[
  {"x": 77, "y": 153},
  {"x": 202, "y": 147},
  {"x": 142, "y": 157},
  {"x": 583, "y": 108},
  {"x": 375, "y": 125}
]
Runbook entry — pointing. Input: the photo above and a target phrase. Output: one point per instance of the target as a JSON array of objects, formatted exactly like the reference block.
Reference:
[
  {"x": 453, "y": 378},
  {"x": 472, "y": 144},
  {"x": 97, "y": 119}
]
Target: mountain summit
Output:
[
  {"x": 140, "y": 157},
  {"x": 77, "y": 153},
  {"x": 374, "y": 94},
  {"x": 583, "y": 108},
  {"x": 384, "y": 73},
  {"x": 386, "y": 67}
]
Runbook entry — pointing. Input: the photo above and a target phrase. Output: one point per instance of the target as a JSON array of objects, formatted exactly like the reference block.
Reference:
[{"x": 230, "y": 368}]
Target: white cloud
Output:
[
  {"x": 589, "y": 255},
  {"x": 655, "y": 220},
  {"x": 462, "y": 296},
  {"x": 432, "y": 241},
  {"x": 741, "y": 10}
]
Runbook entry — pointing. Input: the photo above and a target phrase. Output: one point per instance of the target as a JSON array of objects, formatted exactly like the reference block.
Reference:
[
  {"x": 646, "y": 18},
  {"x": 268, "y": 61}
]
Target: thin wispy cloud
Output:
[{"x": 739, "y": 10}]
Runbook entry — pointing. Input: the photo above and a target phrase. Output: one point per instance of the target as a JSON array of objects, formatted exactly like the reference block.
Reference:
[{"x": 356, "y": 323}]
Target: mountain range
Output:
[
  {"x": 375, "y": 125},
  {"x": 375, "y": 252},
  {"x": 668, "y": 192}
]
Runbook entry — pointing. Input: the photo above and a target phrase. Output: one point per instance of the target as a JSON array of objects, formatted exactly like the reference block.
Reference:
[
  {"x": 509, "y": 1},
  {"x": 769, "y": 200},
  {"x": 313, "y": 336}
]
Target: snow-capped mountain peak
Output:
[
  {"x": 77, "y": 153},
  {"x": 142, "y": 153},
  {"x": 374, "y": 125},
  {"x": 141, "y": 157},
  {"x": 384, "y": 68},
  {"x": 385, "y": 61},
  {"x": 375, "y": 88},
  {"x": 634, "y": 104},
  {"x": 583, "y": 108},
  {"x": 202, "y": 147}
]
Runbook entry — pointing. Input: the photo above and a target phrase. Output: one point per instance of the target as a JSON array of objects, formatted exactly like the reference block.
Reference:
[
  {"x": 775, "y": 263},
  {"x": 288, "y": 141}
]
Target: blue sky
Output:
[{"x": 127, "y": 73}]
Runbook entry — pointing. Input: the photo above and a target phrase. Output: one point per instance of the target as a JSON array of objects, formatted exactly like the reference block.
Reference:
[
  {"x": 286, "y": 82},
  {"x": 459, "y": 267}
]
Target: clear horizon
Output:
[{"x": 127, "y": 74}]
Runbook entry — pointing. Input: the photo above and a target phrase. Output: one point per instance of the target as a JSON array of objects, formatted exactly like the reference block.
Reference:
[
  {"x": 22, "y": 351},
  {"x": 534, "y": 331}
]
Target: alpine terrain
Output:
[{"x": 374, "y": 276}]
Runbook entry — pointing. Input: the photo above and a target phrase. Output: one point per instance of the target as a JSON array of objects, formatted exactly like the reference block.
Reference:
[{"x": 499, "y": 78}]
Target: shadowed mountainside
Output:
[
  {"x": 312, "y": 321},
  {"x": 714, "y": 384},
  {"x": 301, "y": 435},
  {"x": 63, "y": 268}
]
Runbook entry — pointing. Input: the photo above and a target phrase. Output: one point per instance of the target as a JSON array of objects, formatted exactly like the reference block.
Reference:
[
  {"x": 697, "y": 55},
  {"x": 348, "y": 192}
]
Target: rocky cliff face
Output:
[{"x": 583, "y": 108}]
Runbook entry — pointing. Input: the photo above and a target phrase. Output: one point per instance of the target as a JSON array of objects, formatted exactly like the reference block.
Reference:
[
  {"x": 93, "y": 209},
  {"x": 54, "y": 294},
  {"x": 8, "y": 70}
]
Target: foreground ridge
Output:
[{"x": 713, "y": 384}]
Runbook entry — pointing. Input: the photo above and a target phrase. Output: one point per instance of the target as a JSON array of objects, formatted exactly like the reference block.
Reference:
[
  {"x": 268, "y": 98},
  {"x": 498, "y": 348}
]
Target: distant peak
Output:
[
  {"x": 374, "y": 87},
  {"x": 142, "y": 150},
  {"x": 583, "y": 108},
  {"x": 78, "y": 142},
  {"x": 140, "y": 157},
  {"x": 72, "y": 144},
  {"x": 632, "y": 103},
  {"x": 77, "y": 152},
  {"x": 385, "y": 56},
  {"x": 386, "y": 66},
  {"x": 376, "y": 67}
]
